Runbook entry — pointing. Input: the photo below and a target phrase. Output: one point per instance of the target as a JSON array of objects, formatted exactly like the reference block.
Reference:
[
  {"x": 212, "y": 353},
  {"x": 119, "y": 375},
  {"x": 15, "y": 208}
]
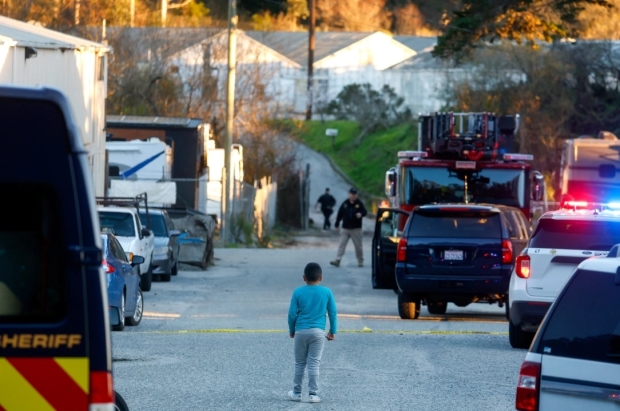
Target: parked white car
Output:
[
  {"x": 124, "y": 223},
  {"x": 574, "y": 362}
]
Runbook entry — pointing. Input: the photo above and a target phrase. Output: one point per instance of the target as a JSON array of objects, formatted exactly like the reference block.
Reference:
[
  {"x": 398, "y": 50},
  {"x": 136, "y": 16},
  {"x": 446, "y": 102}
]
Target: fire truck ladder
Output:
[{"x": 465, "y": 135}]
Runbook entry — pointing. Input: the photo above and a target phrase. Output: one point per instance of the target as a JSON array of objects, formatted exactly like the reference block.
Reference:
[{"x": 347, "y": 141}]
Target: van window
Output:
[
  {"x": 576, "y": 235},
  {"x": 456, "y": 225},
  {"x": 121, "y": 224},
  {"x": 32, "y": 276},
  {"x": 585, "y": 324}
]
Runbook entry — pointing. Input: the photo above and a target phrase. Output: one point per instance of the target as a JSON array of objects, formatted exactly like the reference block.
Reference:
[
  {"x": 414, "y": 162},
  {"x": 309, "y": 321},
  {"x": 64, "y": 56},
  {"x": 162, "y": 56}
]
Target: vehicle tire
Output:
[
  {"x": 119, "y": 403},
  {"x": 121, "y": 325},
  {"x": 175, "y": 269},
  {"x": 165, "y": 277},
  {"x": 438, "y": 307},
  {"x": 146, "y": 280},
  {"x": 519, "y": 338},
  {"x": 408, "y": 306},
  {"x": 136, "y": 318}
]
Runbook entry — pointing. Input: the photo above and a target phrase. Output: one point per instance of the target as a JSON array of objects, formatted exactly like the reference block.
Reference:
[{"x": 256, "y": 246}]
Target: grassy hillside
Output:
[{"x": 365, "y": 165}]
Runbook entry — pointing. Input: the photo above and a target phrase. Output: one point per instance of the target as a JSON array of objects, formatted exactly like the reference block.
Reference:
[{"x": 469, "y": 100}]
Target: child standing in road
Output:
[{"x": 306, "y": 323}]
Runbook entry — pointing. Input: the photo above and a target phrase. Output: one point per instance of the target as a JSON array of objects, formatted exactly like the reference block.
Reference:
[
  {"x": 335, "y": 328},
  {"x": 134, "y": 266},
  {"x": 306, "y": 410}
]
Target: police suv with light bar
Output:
[{"x": 561, "y": 241}]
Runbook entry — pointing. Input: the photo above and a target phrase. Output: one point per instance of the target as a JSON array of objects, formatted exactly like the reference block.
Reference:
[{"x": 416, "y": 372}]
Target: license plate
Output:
[{"x": 453, "y": 255}]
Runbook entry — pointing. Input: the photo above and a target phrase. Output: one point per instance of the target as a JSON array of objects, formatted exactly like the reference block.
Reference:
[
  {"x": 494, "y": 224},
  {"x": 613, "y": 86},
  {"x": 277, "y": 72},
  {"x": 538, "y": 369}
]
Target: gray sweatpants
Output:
[
  {"x": 308, "y": 351},
  {"x": 354, "y": 234}
]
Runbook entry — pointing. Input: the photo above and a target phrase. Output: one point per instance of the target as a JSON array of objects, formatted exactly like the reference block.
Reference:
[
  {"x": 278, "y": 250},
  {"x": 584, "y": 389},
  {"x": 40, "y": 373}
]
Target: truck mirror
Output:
[
  {"x": 538, "y": 186},
  {"x": 390, "y": 182},
  {"x": 146, "y": 232}
]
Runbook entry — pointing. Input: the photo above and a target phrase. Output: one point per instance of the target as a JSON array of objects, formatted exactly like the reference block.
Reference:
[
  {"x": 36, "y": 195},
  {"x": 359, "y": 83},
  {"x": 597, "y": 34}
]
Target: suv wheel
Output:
[
  {"x": 408, "y": 306},
  {"x": 146, "y": 279},
  {"x": 519, "y": 338},
  {"x": 438, "y": 307}
]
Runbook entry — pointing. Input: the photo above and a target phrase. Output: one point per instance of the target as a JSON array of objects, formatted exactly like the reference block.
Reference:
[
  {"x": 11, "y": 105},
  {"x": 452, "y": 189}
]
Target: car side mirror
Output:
[
  {"x": 137, "y": 260},
  {"x": 146, "y": 232},
  {"x": 174, "y": 233}
]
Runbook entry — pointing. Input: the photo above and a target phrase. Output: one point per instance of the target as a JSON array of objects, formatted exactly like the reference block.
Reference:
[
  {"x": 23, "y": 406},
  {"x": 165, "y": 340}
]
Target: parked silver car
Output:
[{"x": 166, "y": 253}]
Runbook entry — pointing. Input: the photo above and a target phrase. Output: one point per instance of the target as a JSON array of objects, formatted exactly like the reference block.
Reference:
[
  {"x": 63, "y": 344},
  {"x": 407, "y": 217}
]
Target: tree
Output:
[
  {"x": 560, "y": 91},
  {"x": 480, "y": 21},
  {"x": 369, "y": 108}
]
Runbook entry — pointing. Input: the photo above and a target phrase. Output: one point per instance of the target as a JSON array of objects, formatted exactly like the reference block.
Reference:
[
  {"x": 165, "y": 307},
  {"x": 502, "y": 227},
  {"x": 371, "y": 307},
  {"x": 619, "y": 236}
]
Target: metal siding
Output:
[{"x": 74, "y": 73}]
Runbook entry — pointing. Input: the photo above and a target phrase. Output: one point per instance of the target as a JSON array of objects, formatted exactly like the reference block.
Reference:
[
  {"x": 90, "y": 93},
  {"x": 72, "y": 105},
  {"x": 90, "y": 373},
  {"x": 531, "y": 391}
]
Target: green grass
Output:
[{"x": 366, "y": 164}]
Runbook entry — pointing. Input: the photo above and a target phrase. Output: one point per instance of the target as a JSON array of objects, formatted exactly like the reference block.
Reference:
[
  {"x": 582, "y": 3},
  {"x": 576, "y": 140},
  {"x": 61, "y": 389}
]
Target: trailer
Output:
[{"x": 589, "y": 168}]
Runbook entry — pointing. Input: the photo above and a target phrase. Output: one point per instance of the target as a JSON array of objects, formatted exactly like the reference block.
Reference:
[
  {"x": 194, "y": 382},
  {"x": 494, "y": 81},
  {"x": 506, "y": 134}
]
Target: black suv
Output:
[{"x": 458, "y": 253}]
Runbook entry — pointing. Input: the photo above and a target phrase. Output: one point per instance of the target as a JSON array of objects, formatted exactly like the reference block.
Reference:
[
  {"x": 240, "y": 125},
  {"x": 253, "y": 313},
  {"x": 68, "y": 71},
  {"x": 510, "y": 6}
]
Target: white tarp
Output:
[{"x": 164, "y": 193}]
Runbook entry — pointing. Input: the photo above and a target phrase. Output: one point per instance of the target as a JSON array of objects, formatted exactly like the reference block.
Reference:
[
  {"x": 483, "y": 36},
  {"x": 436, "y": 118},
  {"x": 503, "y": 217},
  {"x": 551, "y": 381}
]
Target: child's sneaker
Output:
[
  {"x": 314, "y": 398},
  {"x": 293, "y": 396}
]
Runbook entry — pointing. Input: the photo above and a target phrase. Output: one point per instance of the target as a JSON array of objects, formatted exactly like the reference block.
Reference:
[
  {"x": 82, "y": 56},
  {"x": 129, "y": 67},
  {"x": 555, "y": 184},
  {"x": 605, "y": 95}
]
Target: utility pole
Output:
[
  {"x": 77, "y": 12},
  {"x": 164, "y": 12},
  {"x": 132, "y": 12},
  {"x": 312, "y": 7},
  {"x": 230, "y": 114}
]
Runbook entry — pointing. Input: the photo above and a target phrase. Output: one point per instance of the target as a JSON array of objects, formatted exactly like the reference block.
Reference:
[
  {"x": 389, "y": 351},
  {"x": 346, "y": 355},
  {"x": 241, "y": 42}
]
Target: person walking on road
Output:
[
  {"x": 350, "y": 213},
  {"x": 306, "y": 323},
  {"x": 327, "y": 202}
]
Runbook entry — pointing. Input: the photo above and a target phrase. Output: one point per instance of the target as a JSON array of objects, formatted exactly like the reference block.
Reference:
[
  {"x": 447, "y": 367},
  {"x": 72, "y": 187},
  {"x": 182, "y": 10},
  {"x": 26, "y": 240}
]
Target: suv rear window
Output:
[
  {"x": 576, "y": 235},
  {"x": 585, "y": 323},
  {"x": 32, "y": 278},
  {"x": 455, "y": 225},
  {"x": 120, "y": 224}
]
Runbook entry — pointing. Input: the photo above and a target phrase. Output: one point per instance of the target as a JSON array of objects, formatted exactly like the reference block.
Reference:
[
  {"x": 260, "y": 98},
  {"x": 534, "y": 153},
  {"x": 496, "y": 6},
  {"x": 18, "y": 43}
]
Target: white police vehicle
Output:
[
  {"x": 561, "y": 241},
  {"x": 574, "y": 361}
]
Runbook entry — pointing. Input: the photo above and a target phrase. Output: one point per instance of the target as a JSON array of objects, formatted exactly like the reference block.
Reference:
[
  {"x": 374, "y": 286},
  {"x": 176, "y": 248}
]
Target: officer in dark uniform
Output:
[
  {"x": 350, "y": 213},
  {"x": 327, "y": 202}
]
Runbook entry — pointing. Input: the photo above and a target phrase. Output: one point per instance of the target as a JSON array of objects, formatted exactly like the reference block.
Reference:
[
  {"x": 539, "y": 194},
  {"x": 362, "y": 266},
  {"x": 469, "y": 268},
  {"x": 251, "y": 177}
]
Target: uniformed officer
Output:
[
  {"x": 327, "y": 202},
  {"x": 350, "y": 213}
]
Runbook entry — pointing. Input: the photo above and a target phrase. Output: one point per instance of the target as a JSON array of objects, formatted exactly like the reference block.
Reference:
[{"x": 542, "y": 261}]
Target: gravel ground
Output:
[{"x": 217, "y": 340}]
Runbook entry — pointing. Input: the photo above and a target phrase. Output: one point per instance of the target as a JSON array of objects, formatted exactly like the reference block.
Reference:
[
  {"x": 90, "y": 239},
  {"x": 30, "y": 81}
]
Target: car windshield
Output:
[
  {"x": 586, "y": 321},
  {"x": 158, "y": 225},
  {"x": 455, "y": 225},
  {"x": 121, "y": 224},
  {"x": 426, "y": 185},
  {"x": 576, "y": 235}
]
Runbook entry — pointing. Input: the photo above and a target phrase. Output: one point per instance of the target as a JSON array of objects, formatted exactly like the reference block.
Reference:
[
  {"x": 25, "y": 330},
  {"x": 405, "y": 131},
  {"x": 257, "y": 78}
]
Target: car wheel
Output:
[
  {"x": 438, "y": 307},
  {"x": 146, "y": 280},
  {"x": 119, "y": 403},
  {"x": 519, "y": 338},
  {"x": 408, "y": 306},
  {"x": 165, "y": 278},
  {"x": 137, "y": 315},
  {"x": 121, "y": 325},
  {"x": 175, "y": 269}
]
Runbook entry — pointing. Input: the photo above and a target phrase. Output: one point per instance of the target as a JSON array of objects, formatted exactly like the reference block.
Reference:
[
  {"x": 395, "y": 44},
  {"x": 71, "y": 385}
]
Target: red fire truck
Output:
[{"x": 460, "y": 158}]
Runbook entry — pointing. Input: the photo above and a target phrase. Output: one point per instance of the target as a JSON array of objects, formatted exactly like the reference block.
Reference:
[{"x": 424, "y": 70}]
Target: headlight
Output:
[{"x": 161, "y": 251}]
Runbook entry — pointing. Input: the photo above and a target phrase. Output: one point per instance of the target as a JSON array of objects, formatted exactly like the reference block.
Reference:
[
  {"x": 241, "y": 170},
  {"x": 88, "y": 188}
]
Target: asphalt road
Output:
[{"x": 218, "y": 340}]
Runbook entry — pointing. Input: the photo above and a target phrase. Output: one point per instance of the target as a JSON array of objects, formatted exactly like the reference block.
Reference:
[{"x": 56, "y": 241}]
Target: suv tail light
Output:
[
  {"x": 107, "y": 268},
  {"x": 522, "y": 266},
  {"x": 101, "y": 391},
  {"x": 506, "y": 252},
  {"x": 528, "y": 387},
  {"x": 401, "y": 252}
]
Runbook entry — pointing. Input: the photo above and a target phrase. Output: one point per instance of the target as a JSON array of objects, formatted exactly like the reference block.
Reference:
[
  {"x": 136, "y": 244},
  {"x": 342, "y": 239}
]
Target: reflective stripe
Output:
[
  {"x": 16, "y": 393},
  {"x": 44, "y": 384},
  {"x": 76, "y": 368}
]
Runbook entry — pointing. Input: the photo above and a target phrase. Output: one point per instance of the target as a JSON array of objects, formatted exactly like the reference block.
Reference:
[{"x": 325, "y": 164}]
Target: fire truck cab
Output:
[{"x": 461, "y": 158}]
